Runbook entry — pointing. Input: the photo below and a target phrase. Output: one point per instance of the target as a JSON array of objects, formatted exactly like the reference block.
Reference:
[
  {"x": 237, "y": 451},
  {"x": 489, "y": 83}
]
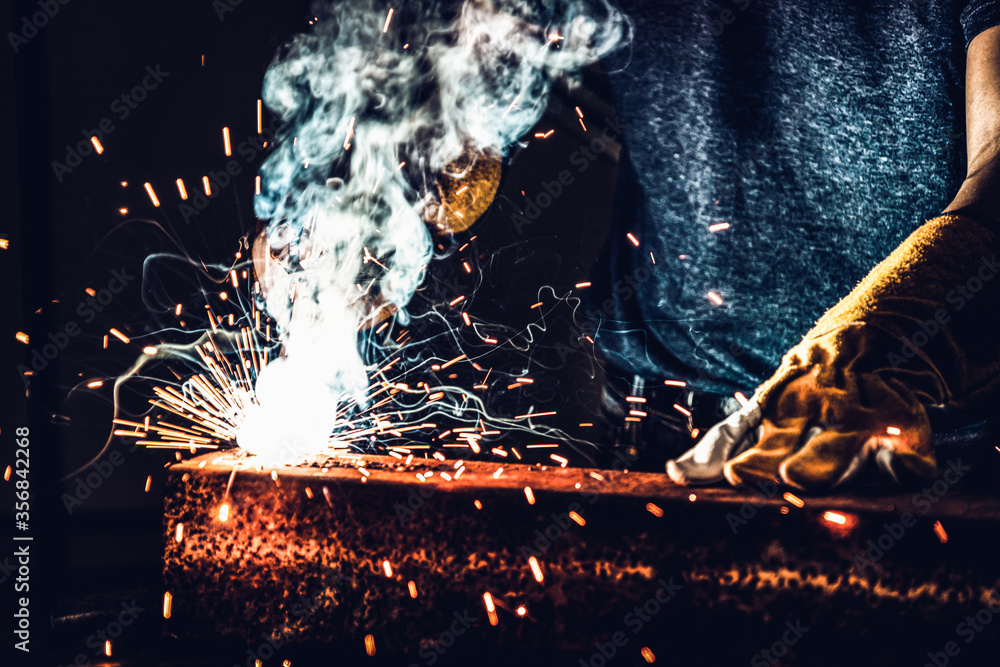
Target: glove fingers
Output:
[
  {"x": 761, "y": 462},
  {"x": 826, "y": 460},
  {"x": 702, "y": 464},
  {"x": 834, "y": 457},
  {"x": 837, "y": 453},
  {"x": 908, "y": 456}
]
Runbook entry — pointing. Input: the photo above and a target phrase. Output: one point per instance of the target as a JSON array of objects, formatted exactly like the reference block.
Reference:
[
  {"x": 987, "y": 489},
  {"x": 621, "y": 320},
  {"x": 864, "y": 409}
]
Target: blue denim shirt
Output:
[{"x": 774, "y": 152}]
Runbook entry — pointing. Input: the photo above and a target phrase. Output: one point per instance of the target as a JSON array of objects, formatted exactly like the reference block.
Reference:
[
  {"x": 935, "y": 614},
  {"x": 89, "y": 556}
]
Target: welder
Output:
[{"x": 813, "y": 190}]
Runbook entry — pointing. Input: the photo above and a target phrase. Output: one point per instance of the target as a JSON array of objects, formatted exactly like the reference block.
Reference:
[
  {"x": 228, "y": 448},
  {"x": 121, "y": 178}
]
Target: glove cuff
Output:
[{"x": 934, "y": 300}]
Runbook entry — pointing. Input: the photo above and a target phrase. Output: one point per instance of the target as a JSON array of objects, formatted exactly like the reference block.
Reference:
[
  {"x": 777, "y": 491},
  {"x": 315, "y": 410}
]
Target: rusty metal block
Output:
[{"x": 335, "y": 555}]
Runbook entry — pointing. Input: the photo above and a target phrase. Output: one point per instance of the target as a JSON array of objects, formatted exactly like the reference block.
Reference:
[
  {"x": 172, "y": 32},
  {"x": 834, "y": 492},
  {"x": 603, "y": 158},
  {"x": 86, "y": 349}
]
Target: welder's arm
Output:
[
  {"x": 918, "y": 332},
  {"x": 979, "y": 196}
]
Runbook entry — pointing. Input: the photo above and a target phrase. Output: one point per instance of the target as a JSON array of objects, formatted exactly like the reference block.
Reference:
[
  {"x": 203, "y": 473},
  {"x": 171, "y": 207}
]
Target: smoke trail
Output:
[{"x": 375, "y": 105}]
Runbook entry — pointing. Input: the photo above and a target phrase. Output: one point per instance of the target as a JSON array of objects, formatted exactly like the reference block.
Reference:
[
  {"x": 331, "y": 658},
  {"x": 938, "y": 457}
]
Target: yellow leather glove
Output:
[{"x": 919, "y": 331}]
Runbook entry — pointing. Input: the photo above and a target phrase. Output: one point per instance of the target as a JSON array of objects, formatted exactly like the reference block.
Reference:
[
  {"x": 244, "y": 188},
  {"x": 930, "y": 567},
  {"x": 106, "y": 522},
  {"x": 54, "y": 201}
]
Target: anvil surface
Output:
[{"x": 330, "y": 555}]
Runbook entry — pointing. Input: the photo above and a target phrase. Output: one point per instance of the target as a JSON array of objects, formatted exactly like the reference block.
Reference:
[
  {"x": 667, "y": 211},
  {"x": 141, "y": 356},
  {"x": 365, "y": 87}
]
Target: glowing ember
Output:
[
  {"x": 491, "y": 610},
  {"x": 536, "y": 569},
  {"x": 835, "y": 517},
  {"x": 120, "y": 336},
  {"x": 283, "y": 426},
  {"x": 152, "y": 195},
  {"x": 794, "y": 499},
  {"x": 939, "y": 530}
]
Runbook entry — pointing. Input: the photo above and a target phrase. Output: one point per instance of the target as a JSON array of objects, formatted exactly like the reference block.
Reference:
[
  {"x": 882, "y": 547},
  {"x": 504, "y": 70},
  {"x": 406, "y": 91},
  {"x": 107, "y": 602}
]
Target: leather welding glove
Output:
[{"x": 918, "y": 333}]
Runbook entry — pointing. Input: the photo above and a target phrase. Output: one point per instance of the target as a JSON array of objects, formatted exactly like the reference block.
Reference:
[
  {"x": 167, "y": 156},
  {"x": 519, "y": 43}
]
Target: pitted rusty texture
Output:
[{"x": 334, "y": 563}]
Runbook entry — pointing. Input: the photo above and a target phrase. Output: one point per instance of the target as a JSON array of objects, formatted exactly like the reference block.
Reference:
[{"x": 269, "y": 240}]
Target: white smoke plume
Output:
[{"x": 358, "y": 96}]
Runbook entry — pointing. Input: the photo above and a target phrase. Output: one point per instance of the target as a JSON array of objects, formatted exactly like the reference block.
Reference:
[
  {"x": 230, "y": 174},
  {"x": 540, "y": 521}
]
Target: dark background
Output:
[{"x": 66, "y": 234}]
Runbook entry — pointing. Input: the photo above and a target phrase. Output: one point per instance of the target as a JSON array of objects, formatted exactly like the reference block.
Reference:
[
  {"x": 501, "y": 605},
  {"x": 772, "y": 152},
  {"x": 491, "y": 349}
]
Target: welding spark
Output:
[
  {"x": 283, "y": 379},
  {"x": 152, "y": 195}
]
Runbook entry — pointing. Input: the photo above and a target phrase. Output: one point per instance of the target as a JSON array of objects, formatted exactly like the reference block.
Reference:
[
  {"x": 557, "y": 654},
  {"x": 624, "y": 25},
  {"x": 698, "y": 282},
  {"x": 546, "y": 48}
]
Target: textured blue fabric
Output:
[{"x": 823, "y": 132}]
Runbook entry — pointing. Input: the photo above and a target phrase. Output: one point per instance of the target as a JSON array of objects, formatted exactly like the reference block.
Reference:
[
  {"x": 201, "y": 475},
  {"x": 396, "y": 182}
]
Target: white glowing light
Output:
[
  {"x": 325, "y": 228},
  {"x": 294, "y": 415}
]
